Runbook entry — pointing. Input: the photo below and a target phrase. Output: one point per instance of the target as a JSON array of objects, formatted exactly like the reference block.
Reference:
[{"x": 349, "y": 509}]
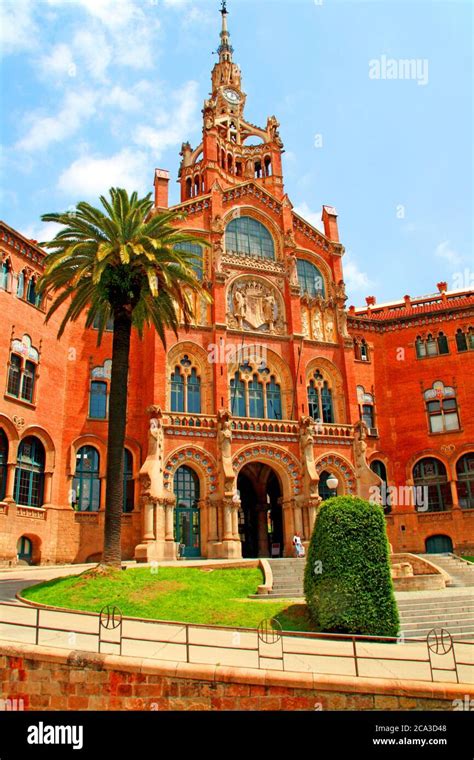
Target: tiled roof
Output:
[{"x": 424, "y": 305}]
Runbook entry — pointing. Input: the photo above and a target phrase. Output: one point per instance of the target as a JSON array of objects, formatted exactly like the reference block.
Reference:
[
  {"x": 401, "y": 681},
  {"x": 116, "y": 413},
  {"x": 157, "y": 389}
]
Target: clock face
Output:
[{"x": 232, "y": 96}]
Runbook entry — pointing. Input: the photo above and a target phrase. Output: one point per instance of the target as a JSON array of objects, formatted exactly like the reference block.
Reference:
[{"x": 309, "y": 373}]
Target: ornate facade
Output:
[{"x": 235, "y": 429}]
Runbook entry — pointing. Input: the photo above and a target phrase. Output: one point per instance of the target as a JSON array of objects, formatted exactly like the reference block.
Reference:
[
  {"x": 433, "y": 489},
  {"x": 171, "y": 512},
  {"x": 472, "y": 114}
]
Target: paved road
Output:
[{"x": 13, "y": 581}]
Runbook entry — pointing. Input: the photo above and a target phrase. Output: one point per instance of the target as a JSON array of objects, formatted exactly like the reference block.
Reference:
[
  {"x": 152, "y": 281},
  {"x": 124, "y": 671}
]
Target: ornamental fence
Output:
[{"x": 438, "y": 657}]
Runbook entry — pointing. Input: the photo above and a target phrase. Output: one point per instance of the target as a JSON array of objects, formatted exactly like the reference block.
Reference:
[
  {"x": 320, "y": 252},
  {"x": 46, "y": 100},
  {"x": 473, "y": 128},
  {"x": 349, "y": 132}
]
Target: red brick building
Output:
[{"x": 236, "y": 432}]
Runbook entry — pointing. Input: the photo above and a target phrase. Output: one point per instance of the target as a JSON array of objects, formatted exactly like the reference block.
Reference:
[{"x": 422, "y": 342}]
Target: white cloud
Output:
[
  {"x": 173, "y": 125},
  {"x": 18, "y": 31},
  {"x": 59, "y": 62},
  {"x": 91, "y": 176},
  {"x": 41, "y": 232},
  {"x": 313, "y": 217},
  {"x": 355, "y": 279},
  {"x": 123, "y": 99},
  {"x": 93, "y": 51},
  {"x": 44, "y": 130},
  {"x": 446, "y": 252}
]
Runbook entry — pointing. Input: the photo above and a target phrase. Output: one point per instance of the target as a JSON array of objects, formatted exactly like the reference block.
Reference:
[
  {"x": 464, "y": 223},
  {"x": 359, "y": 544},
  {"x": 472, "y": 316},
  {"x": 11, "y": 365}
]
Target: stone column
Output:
[
  {"x": 48, "y": 481},
  {"x": 231, "y": 546},
  {"x": 288, "y": 526},
  {"x": 169, "y": 514},
  {"x": 228, "y": 532},
  {"x": 148, "y": 520},
  {"x": 454, "y": 494},
  {"x": 262, "y": 530},
  {"x": 298, "y": 521},
  {"x": 212, "y": 520},
  {"x": 10, "y": 482}
]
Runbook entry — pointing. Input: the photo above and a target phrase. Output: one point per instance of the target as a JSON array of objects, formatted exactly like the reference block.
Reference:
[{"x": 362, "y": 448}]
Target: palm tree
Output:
[{"x": 124, "y": 264}]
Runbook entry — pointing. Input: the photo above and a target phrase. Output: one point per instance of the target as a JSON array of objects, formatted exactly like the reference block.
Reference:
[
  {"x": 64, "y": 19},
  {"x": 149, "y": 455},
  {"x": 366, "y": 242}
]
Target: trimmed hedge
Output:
[{"x": 347, "y": 582}]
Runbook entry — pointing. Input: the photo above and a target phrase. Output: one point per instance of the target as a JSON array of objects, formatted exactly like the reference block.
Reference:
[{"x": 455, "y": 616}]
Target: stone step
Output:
[
  {"x": 420, "y": 616},
  {"x": 436, "y": 623},
  {"x": 438, "y": 601}
]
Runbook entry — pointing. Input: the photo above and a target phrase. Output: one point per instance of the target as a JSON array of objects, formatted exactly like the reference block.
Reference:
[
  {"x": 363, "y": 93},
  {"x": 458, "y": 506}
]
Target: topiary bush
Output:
[{"x": 347, "y": 583}]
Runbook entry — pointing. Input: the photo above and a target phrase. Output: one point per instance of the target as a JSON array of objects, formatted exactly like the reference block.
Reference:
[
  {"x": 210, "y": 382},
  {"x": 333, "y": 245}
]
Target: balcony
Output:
[{"x": 202, "y": 425}]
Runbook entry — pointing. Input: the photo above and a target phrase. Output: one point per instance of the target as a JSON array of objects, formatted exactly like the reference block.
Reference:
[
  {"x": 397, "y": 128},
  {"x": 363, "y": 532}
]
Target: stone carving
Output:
[
  {"x": 151, "y": 473},
  {"x": 330, "y": 328},
  {"x": 224, "y": 442},
  {"x": 307, "y": 438},
  {"x": 305, "y": 323},
  {"x": 317, "y": 325},
  {"x": 254, "y": 306},
  {"x": 209, "y": 114},
  {"x": 292, "y": 270},
  {"x": 218, "y": 225},
  {"x": 290, "y": 241},
  {"x": 218, "y": 251},
  {"x": 272, "y": 129}
]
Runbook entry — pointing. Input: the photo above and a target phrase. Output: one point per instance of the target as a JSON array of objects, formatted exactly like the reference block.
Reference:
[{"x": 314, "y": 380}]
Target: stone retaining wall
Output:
[{"x": 51, "y": 679}]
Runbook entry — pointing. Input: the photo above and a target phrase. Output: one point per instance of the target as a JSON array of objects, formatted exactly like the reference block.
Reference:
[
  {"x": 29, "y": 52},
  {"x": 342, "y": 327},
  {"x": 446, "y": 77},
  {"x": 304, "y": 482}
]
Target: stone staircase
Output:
[
  {"x": 288, "y": 577},
  {"x": 455, "y": 613},
  {"x": 461, "y": 571}
]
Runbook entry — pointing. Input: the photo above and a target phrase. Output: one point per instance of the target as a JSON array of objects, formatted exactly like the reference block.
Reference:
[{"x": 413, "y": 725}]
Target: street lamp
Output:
[{"x": 332, "y": 483}]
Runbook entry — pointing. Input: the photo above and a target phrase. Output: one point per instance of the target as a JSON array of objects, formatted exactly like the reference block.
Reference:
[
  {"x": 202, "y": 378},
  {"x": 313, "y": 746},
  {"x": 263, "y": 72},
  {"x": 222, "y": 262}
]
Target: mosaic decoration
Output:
[
  {"x": 188, "y": 456},
  {"x": 331, "y": 460},
  {"x": 257, "y": 452}
]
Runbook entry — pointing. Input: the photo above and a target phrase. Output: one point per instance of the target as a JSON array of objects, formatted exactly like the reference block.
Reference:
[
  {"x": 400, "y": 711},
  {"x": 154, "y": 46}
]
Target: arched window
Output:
[
  {"x": 441, "y": 407},
  {"x": 430, "y": 473},
  {"x": 465, "y": 340},
  {"x": 442, "y": 344},
  {"x": 189, "y": 188},
  {"x": 320, "y": 402},
  {"x": 366, "y": 409},
  {"x": 29, "y": 473},
  {"x": 98, "y": 400},
  {"x": 194, "y": 393},
  {"x": 465, "y": 478},
  {"x": 31, "y": 295},
  {"x": 187, "y": 528},
  {"x": 3, "y": 463},
  {"x": 20, "y": 286},
  {"x": 310, "y": 278},
  {"x": 255, "y": 390},
  {"x": 268, "y": 166},
  {"x": 237, "y": 396},
  {"x": 177, "y": 391},
  {"x": 5, "y": 275},
  {"x": 109, "y": 326},
  {"x": 14, "y": 375},
  {"x": 361, "y": 350},
  {"x": 99, "y": 391},
  {"x": 86, "y": 483},
  {"x": 22, "y": 370},
  {"x": 274, "y": 411},
  {"x": 420, "y": 347},
  {"x": 248, "y": 237},
  {"x": 185, "y": 393},
  {"x": 128, "y": 482},
  {"x": 195, "y": 250}
]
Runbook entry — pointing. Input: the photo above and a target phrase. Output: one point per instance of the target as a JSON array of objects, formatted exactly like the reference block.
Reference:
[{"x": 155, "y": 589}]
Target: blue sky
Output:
[{"x": 100, "y": 92}]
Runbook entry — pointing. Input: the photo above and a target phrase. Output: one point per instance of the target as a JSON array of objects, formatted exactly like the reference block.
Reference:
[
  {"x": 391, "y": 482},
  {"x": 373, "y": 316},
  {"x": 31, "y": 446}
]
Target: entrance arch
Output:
[
  {"x": 438, "y": 544},
  {"x": 260, "y": 513}
]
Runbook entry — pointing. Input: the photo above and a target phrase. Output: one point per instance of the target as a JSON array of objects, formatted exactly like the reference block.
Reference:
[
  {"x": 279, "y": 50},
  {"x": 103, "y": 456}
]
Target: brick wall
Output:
[{"x": 47, "y": 679}]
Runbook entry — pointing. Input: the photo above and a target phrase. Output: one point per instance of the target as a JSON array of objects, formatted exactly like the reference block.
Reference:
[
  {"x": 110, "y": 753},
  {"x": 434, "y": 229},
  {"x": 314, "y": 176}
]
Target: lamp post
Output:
[{"x": 332, "y": 483}]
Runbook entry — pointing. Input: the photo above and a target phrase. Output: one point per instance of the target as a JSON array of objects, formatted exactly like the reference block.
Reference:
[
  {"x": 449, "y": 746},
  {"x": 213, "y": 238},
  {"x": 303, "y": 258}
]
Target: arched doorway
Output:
[
  {"x": 260, "y": 514},
  {"x": 439, "y": 544},
  {"x": 187, "y": 516},
  {"x": 24, "y": 550}
]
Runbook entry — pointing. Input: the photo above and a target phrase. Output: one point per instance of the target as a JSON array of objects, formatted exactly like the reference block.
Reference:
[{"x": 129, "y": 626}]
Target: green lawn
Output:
[
  {"x": 193, "y": 595},
  {"x": 469, "y": 559}
]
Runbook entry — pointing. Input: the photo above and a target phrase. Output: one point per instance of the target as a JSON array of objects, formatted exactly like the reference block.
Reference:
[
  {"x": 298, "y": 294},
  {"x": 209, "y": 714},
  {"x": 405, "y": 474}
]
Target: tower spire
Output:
[{"x": 225, "y": 49}]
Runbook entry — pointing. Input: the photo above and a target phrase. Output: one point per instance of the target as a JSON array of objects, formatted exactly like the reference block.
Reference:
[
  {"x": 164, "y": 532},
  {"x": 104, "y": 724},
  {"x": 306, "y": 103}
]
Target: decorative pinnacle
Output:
[{"x": 225, "y": 49}]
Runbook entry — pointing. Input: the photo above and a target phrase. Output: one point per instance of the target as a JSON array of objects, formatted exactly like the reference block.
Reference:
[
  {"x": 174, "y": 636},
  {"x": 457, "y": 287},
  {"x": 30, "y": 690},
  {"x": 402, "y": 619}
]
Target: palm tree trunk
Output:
[{"x": 112, "y": 555}]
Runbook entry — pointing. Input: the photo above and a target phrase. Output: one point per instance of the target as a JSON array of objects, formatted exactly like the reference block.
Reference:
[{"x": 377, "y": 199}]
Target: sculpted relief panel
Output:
[{"x": 255, "y": 305}]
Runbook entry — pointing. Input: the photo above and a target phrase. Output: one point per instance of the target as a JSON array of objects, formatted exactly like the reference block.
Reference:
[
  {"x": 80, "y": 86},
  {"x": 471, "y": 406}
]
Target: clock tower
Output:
[{"x": 232, "y": 150}]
